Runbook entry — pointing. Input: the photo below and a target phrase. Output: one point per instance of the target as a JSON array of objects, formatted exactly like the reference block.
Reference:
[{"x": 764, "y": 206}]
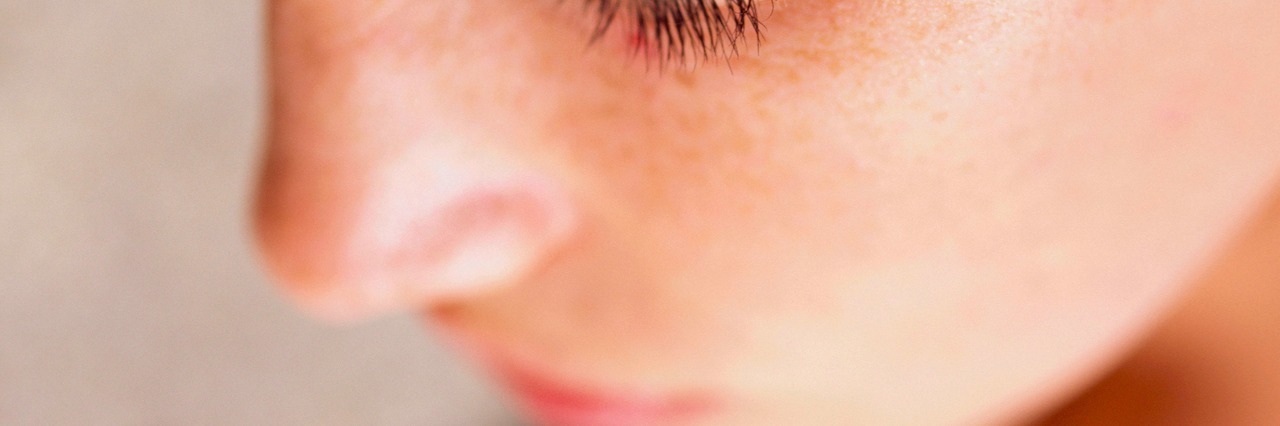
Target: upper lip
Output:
[{"x": 558, "y": 400}]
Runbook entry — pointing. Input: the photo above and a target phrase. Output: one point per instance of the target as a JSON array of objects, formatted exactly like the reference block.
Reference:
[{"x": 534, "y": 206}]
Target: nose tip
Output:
[{"x": 414, "y": 236}]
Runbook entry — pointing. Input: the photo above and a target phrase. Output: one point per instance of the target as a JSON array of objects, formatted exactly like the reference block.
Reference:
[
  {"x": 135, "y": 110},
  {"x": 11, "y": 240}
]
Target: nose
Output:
[{"x": 376, "y": 196}]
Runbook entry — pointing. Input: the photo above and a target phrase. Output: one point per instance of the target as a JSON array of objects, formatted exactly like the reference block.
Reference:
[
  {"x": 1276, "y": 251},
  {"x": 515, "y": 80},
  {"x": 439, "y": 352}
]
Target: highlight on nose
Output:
[{"x": 418, "y": 231}]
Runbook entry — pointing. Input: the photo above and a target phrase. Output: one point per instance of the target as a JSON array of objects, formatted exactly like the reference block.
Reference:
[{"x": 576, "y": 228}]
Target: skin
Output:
[
  {"x": 1212, "y": 361},
  {"x": 893, "y": 212}
]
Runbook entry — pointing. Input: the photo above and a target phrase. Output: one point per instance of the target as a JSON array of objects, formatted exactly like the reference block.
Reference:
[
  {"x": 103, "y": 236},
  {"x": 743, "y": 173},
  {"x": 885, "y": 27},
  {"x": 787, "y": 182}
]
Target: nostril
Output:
[
  {"x": 479, "y": 240},
  {"x": 455, "y": 242}
]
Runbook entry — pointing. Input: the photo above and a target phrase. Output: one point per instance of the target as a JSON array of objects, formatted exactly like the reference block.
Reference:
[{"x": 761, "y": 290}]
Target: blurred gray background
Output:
[{"x": 129, "y": 293}]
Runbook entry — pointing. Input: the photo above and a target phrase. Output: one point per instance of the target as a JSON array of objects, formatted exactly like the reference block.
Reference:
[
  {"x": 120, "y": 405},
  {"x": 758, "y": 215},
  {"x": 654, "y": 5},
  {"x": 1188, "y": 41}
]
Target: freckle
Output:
[
  {"x": 686, "y": 80},
  {"x": 940, "y": 116}
]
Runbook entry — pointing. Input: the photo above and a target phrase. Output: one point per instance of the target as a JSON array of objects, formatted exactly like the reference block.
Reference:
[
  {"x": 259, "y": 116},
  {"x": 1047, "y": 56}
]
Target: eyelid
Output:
[{"x": 682, "y": 31}]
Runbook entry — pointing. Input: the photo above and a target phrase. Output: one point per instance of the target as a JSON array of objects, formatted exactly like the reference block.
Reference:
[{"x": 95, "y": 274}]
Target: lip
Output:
[
  {"x": 557, "y": 400},
  {"x": 553, "y": 402}
]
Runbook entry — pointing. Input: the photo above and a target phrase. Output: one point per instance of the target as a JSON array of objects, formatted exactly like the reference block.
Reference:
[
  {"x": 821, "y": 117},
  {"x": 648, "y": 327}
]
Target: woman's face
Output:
[{"x": 886, "y": 212}]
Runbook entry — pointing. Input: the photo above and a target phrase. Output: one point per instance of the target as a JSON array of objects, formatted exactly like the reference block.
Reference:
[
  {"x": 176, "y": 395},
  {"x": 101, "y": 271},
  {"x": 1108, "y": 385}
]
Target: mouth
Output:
[
  {"x": 554, "y": 399},
  {"x": 553, "y": 402}
]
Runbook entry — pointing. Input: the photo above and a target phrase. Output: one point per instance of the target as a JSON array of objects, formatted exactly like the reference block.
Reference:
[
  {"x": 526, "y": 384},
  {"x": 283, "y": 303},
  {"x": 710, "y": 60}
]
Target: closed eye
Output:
[{"x": 682, "y": 31}]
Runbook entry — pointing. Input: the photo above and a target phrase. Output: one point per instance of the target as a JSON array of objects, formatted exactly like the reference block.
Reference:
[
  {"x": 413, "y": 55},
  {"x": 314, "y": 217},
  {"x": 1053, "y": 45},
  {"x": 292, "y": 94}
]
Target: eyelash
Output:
[{"x": 682, "y": 30}]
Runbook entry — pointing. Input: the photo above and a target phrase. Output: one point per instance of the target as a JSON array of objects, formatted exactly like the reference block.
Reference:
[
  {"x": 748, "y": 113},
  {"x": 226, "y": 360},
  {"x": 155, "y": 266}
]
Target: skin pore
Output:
[{"x": 890, "y": 212}]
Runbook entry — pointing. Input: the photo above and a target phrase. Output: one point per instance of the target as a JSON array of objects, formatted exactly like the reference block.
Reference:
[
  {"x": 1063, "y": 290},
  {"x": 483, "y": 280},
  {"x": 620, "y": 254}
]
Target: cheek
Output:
[
  {"x": 825, "y": 225},
  {"x": 731, "y": 212},
  {"x": 895, "y": 222}
]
